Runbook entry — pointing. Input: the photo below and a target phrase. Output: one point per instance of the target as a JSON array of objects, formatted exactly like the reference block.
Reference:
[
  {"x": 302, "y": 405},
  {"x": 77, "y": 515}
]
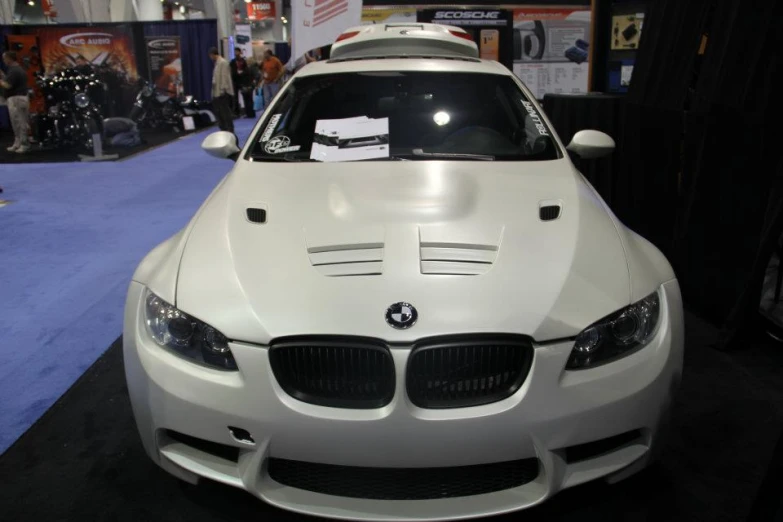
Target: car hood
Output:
[{"x": 463, "y": 242}]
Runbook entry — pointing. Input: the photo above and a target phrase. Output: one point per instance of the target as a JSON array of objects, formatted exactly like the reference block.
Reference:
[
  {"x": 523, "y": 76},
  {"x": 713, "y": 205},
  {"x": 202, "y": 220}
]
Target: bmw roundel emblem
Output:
[{"x": 401, "y": 315}]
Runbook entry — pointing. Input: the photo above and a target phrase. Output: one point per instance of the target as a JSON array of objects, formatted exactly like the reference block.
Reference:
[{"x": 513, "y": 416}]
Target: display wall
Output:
[
  {"x": 124, "y": 54},
  {"x": 627, "y": 25},
  {"x": 546, "y": 44}
]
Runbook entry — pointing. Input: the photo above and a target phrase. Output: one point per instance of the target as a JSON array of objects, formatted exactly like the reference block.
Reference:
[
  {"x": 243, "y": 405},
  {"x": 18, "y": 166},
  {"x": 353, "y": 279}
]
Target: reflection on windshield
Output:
[{"x": 404, "y": 116}]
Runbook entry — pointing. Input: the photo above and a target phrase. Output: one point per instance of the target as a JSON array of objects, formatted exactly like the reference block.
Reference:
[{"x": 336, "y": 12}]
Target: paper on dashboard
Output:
[{"x": 350, "y": 139}]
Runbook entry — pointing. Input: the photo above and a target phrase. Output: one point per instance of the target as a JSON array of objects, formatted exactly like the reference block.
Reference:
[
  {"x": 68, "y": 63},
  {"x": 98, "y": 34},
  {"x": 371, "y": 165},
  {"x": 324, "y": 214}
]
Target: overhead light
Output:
[
  {"x": 31, "y": 2},
  {"x": 248, "y": 1},
  {"x": 441, "y": 118}
]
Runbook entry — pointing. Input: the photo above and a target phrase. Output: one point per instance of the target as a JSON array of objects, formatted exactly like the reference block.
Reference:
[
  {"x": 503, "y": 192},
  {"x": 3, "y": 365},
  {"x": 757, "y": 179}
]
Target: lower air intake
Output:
[{"x": 402, "y": 483}]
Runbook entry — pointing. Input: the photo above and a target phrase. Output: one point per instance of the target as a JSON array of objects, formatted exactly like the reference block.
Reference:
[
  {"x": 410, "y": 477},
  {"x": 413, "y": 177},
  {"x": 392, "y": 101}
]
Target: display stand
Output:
[{"x": 97, "y": 151}]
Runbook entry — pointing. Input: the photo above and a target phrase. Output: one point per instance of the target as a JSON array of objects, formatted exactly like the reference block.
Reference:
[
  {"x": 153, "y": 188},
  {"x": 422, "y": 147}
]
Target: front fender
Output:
[{"x": 159, "y": 269}]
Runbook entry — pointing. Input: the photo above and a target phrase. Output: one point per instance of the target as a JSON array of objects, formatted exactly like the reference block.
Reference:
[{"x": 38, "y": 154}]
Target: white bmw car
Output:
[{"x": 404, "y": 302}]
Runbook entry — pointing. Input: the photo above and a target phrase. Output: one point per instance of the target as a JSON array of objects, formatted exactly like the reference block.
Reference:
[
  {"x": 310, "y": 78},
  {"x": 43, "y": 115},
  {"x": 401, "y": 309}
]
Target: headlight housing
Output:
[
  {"x": 616, "y": 335},
  {"x": 185, "y": 335},
  {"x": 81, "y": 100}
]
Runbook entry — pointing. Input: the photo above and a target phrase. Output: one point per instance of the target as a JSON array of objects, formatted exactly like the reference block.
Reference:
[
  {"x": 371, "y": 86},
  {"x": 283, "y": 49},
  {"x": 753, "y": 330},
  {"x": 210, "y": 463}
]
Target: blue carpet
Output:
[{"x": 69, "y": 244}]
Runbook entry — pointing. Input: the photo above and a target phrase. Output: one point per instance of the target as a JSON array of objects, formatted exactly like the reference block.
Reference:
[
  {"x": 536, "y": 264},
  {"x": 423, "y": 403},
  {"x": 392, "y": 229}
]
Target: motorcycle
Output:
[
  {"x": 72, "y": 113},
  {"x": 155, "y": 108}
]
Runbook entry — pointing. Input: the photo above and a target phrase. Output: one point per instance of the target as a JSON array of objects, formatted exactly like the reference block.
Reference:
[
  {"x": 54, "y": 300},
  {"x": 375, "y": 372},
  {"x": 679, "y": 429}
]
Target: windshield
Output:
[{"x": 403, "y": 116}]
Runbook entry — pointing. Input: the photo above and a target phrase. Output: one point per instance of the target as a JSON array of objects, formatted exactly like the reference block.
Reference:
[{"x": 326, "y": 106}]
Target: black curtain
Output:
[
  {"x": 668, "y": 53},
  {"x": 196, "y": 37},
  {"x": 697, "y": 169},
  {"x": 732, "y": 212}
]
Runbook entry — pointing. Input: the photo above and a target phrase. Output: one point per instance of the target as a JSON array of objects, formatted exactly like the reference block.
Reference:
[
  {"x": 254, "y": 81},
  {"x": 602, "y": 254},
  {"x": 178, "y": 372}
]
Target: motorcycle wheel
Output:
[{"x": 136, "y": 113}]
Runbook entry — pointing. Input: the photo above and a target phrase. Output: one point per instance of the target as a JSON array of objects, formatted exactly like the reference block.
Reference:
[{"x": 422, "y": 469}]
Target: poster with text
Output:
[
  {"x": 112, "y": 47},
  {"x": 243, "y": 40},
  {"x": 402, "y": 15},
  {"x": 261, "y": 11},
  {"x": 551, "y": 49},
  {"x": 626, "y": 31},
  {"x": 165, "y": 63}
]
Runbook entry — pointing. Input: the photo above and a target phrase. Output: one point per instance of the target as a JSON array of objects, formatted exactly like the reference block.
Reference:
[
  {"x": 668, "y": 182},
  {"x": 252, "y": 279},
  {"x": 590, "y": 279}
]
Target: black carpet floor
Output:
[
  {"x": 83, "y": 460},
  {"x": 150, "y": 139}
]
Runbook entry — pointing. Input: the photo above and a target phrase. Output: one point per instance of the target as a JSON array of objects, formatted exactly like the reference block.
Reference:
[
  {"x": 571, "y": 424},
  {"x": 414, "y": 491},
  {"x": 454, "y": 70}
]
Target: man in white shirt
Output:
[{"x": 222, "y": 91}]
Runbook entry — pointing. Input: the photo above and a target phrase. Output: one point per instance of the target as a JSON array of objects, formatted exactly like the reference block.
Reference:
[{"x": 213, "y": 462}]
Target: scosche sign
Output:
[
  {"x": 82, "y": 39},
  {"x": 464, "y": 17},
  {"x": 162, "y": 43}
]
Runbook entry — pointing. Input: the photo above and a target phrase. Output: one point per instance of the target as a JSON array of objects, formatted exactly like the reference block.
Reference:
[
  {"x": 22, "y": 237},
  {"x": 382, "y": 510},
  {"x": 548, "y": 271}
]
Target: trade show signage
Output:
[
  {"x": 49, "y": 10},
  {"x": 551, "y": 49},
  {"x": 110, "y": 46},
  {"x": 164, "y": 61},
  {"x": 489, "y": 28},
  {"x": 316, "y": 23},
  {"x": 243, "y": 39},
  {"x": 467, "y": 17},
  {"x": 388, "y": 16},
  {"x": 261, "y": 11}
]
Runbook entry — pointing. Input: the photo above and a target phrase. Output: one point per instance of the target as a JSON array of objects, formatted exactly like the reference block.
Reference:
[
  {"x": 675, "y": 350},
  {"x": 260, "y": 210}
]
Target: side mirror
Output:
[
  {"x": 589, "y": 144},
  {"x": 221, "y": 144}
]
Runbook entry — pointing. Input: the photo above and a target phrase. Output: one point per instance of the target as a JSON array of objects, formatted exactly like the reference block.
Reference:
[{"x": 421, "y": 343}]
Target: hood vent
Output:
[
  {"x": 549, "y": 212},
  {"x": 348, "y": 259},
  {"x": 256, "y": 215},
  {"x": 457, "y": 258}
]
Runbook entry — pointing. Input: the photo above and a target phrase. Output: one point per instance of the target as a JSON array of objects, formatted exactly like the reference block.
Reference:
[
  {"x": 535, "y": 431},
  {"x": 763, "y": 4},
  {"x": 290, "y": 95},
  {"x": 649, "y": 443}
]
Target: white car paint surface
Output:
[{"x": 460, "y": 239}]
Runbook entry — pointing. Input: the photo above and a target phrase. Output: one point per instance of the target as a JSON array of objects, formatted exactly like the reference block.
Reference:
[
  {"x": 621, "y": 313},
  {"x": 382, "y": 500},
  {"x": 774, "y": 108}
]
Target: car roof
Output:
[{"x": 409, "y": 39}]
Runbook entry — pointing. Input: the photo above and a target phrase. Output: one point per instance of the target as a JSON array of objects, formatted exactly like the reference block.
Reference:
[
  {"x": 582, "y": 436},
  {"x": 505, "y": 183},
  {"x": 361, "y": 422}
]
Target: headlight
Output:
[
  {"x": 617, "y": 335},
  {"x": 81, "y": 100},
  {"x": 185, "y": 335}
]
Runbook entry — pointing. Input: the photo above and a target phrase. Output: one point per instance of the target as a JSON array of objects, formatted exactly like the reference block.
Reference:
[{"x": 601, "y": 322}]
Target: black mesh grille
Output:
[
  {"x": 331, "y": 372},
  {"x": 256, "y": 215},
  {"x": 402, "y": 483},
  {"x": 549, "y": 212},
  {"x": 467, "y": 372}
]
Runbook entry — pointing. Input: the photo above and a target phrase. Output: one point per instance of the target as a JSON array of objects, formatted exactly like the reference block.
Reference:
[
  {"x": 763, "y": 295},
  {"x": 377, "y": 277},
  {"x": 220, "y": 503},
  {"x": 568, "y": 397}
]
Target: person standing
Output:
[
  {"x": 273, "y": 72},
  {"x": 222, "y": 91},
  {"x": 15, "y": 84},
  {"x": 243, "y": 83}
]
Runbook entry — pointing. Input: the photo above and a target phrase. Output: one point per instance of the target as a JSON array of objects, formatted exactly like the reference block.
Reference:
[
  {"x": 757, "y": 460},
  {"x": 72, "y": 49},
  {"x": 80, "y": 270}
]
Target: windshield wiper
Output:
[
  {"x": 264, "y": 157},
  {"x": 453, "y": 155}
]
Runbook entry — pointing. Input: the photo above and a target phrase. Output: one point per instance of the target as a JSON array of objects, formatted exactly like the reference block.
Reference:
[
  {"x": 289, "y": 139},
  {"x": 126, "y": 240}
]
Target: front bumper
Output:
[{"x": 552, "y": 411}]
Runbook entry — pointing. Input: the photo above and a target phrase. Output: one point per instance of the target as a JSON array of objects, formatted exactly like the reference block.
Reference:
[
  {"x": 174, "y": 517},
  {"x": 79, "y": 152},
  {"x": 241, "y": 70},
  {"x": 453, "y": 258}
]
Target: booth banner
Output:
[
  {"x": 49, "y": 10},
  {"x": 489, "y": 28},
  {"x": 99, "y": 46},
  {"x": 261, "y": 11},
  {"x": 388, "y": 16},
  {"x": 468, "y": 17},
  {"x": 164, "y": 61},
  {"x": 317, "y": 23},
  {"x": 243, "y": 39},
  {"x": 551, "y": 49},
  {"x": 29, "y": 56}
]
